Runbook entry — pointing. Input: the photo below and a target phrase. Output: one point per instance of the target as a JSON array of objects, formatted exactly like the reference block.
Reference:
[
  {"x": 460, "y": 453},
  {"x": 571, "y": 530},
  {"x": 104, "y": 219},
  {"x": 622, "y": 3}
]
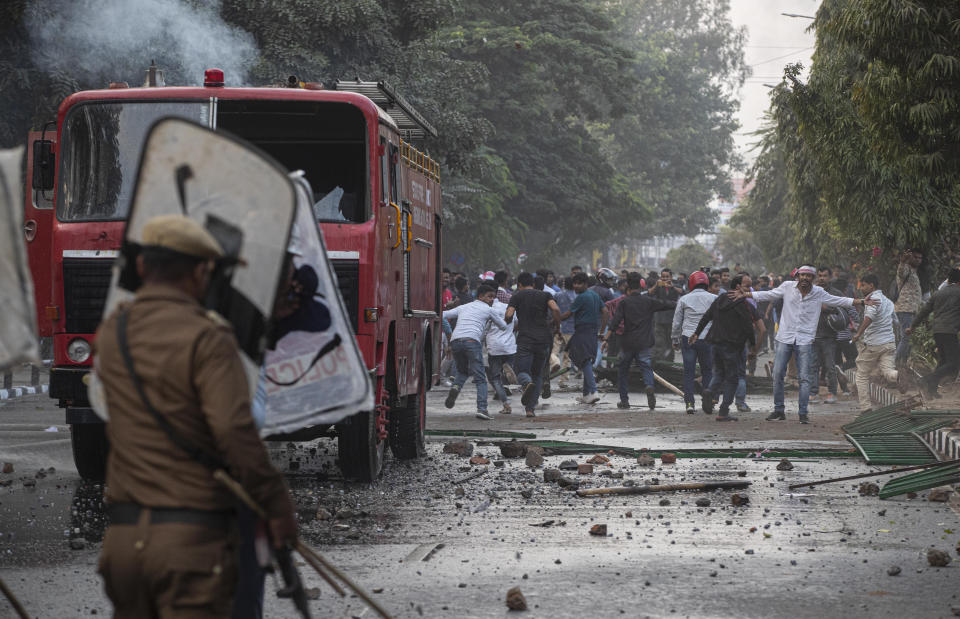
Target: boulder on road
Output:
[{"x": 458, "y": 448}]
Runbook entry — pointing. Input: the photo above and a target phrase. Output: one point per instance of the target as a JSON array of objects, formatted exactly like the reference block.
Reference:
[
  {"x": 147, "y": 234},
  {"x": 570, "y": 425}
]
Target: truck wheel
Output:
[
  {"x": 407, "y": 424},
  {"x": 360, "y": 453},
  {"x": 90, "y": 449}
]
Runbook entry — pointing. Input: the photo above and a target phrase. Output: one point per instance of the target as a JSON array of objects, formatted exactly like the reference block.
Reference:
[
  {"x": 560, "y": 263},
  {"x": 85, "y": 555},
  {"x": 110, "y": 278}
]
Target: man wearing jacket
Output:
[
  {"x": 690, "y": 308},
  {"x": 945, "y": 305},
  {"x": 636, "y": 313},
  {"x": 733, "y": 323}
]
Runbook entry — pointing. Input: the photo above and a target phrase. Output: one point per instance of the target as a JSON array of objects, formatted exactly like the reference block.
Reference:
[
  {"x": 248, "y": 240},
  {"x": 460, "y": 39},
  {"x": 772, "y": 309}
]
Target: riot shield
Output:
[
  {"x": 241, "y": 196},
  {"x": 18, "y": 328},
  {"x": 315, "y": 374}
]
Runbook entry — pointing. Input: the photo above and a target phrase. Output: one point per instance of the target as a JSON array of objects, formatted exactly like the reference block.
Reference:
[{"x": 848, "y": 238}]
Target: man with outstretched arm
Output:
[{"x": 798, "y": 327}]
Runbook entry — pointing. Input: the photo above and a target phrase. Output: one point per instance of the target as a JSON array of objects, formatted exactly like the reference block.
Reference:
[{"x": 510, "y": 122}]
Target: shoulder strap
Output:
[{"x": 203, "y": 457}]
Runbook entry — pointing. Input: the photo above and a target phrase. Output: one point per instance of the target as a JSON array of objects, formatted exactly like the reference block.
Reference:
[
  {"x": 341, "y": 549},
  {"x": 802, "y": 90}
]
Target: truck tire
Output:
[
  {"x": 90, "y": 449},
  {"x": 360, "y": 453},
  {"x": 407, "y": 424}
]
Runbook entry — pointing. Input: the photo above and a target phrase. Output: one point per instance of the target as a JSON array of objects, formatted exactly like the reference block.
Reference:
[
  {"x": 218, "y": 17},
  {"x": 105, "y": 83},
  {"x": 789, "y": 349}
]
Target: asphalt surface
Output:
[{"x": 426, "y": 549}]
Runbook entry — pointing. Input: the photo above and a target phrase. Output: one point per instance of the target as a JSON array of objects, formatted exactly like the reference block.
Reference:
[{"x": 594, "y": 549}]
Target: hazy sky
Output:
[{"x": 774, "y": 41}]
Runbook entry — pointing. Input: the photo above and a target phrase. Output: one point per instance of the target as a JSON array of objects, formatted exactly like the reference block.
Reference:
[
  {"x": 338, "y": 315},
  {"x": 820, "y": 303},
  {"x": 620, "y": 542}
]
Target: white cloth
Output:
[
  {"x": 472, "y": 320},
  {"x": 880, "y": 329},
  {"x": 501, "y": 341},
  {"x": 800, "y": 314},
  {"x": 690, "y": 308}
]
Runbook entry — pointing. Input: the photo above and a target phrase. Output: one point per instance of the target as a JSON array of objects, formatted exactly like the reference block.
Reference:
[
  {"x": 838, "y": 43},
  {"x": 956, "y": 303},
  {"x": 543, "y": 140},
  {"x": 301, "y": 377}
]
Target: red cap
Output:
[{"x": 697, "y": 278}]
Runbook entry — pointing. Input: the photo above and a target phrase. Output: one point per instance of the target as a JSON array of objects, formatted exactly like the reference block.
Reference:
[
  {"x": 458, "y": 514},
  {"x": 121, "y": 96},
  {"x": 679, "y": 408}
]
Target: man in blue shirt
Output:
[{"x": 589, "y": 317}]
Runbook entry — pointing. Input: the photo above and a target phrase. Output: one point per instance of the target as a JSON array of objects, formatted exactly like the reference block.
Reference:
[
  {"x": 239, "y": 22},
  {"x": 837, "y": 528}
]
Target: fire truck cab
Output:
[{"x": 377, "y": 199}]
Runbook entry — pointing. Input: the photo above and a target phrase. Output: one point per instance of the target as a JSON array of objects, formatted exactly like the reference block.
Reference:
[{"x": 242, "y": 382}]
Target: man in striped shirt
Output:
[{"x": 467, "y": 344}]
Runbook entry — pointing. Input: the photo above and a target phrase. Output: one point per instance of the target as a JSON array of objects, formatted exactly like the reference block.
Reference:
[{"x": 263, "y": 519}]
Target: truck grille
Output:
[
  {"x": 348, "y": 281},
  {"x": 85, "y": 285}
]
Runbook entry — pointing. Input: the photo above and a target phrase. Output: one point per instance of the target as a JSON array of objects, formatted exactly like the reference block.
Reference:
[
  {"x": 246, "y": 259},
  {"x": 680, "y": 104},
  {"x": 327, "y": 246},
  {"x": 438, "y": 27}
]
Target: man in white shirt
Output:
[
  {"x": 501, "y": 346},
  {"x": 877, "y": 355},
  {"x": 798, "y": 328},
  {"x": 690, "y": 308},
  {"x": 466, "y": 343}
]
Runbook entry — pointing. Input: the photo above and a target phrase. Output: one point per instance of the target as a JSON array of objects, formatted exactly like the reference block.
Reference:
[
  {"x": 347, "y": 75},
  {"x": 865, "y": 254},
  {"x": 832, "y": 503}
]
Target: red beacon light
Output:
[{"x": 213, "y": 78}]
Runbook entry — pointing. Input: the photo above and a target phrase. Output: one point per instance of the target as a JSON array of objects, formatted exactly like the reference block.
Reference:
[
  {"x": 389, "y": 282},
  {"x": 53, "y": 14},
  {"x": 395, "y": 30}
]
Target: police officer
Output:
[{"x": 169, "y": 549}]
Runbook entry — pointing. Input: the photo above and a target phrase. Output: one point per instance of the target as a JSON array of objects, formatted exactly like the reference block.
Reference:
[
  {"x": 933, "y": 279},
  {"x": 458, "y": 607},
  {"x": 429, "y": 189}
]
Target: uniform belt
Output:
[{"x": 129, "y": 513}]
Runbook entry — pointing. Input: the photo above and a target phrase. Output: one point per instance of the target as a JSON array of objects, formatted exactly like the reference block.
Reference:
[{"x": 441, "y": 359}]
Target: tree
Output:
[
  {"x": 736, "y": 246},
  {"x": 688, "y": 257}
]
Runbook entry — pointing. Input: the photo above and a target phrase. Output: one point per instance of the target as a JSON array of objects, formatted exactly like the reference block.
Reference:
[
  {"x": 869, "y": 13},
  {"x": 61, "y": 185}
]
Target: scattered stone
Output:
[
  {"x": 940, "y": 495},
  {"x": 741, "y": 473},
  {"x": 323, "y": 514},
  {"x": 584, "y": 469},
  {"x": 869, "y": 489},
  {"x": 664, "y": 502},
  {"x": 893, "y": 570},
  {"x": 479, "y": 460},
  {"x": 513, "y": 449},
  {"x": 313, "y": 593},
  {"x": 703, "y": 502},
  {"x": 599, "y": 530},
  {"x": 5, "y": 482},
  {"x": 668, "y": 458},
  {"x": 346, "y": 514},
  {"x": 567, "y": 483},
  {"x": 738, "y": 499},
  {"x": 568, "y": 465},
  {"x": 911, "y": 495},
  {"x": 77, "y": 543},
  {"x": 551, "y": 475},
  {"x": 459, "y": 491},
  {"x": 459, "y": 448},
  {"x": 29, "y": 483},
  {"x": 515, "y": 599},
  {"x": 599, "y": 459},
  {"x": 937, "y": 558},
  {"x": 499, "y": 463},
  {"x": 645, "y": 460},
  {"x": 785, "y": 465},
  {"x": 534, "y": 456},
  {"x": 527, "y": 493},
  {"x": 748, "y": 551},
  {"x": 628, "y": 515},
  {"x": 8, "y": 467},
  {"x": 882, "y": 512}
]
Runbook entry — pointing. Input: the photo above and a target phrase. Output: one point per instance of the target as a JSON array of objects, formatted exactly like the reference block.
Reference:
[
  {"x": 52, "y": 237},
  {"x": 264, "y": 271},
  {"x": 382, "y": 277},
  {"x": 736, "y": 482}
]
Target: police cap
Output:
[{"x": 181, "y": 234}]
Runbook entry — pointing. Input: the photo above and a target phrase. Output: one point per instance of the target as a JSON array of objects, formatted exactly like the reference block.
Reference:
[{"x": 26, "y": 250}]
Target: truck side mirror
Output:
[{"x": 43, "y": 165}]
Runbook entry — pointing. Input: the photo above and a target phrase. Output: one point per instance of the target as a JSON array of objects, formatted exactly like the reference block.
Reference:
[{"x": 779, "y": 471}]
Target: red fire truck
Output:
[{"x": 377, "y": 199}]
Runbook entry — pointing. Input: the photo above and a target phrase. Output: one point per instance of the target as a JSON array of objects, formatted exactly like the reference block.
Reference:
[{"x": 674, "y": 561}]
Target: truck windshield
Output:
[{"x": 101, "y": 145}]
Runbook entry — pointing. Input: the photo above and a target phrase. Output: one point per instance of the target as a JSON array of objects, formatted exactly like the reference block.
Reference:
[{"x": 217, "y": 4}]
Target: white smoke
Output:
[{"x": 115, "y": 40}]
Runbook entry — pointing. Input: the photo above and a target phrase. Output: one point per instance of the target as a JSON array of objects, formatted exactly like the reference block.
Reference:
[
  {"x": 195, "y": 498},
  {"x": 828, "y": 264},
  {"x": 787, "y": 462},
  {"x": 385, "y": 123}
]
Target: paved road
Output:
[{"x": 820, "y": 553}]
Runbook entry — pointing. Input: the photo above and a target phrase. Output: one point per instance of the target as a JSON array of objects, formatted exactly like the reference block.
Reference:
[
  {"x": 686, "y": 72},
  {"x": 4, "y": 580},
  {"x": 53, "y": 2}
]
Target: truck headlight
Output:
[{"x": 78, "y": 350}]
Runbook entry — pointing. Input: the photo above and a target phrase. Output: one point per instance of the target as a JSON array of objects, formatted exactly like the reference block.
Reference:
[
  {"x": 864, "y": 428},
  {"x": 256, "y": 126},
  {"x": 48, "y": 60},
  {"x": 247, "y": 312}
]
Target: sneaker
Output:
[
  {"x": 506, "y": 410},
  {"x": 531, "y": 413},
  {"x": 813, "y": 399},
  {"x": 651, "y": 398},
  {"x": 707, "y": 404},
  {"x": 529, "y": 394},
  {"x": 591, "y": 398},
  {"x": 691, "y": 409},
  {"x": 483, "y": 415},
  {"x": 623, "y": 404},
  {"x": 452, "y": 396},
  {"x": 726, "y": 418},
  {"x": 830, "y": 399},
  {"x": 743, "y": 408},
  {"x": 776, "y": 416},
  {"x": 545, "y": 392},
  {"x": 804, "y": 419}
]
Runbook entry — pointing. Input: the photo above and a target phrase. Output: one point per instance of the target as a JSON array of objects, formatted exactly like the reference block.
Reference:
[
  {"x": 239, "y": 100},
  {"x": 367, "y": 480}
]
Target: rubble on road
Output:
[
  {"x": 737, "y": 499},
  {"x": 599, "y": 459},
  {"x": 512, "y": 449},
  {"x": 785, "y": 465},
  {"x": 515, "y": 599},
  {"x": 459, "y": 448},
  {"x": 600, "y": 530},
  {"x": 8, "y": 467},
  {"x": 668, "y": 458},
  {"x": 534, "y": 456},
  {"x": 940, "y": 495},
  {"x": 868, "y": 489},
  {"x": 584, "y": 469},
  {"x": 894, "y": 570},
  {"x": 479, "y": 460},
  {"x": 937, "y": 558},
  {"x": 645, "y": 460},
  {"x": 568, "y": 465},
  {"x": 551, "y": 475}
]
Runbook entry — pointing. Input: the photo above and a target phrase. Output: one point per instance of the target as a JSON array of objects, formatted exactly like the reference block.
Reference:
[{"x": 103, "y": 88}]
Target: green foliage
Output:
[
  {"x": 688, "y": 257},
  {"x": 736, "y": 246}
]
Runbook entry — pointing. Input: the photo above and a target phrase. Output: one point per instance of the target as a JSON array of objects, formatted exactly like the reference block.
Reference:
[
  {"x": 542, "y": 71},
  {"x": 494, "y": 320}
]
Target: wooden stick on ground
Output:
[
  {"x": 666, "y": 384},
  {"x": 874, "y": 474},
  {"x": 709, "y": 485},
  {"x": 319, "y": 570},
  {"x": 17, "y": 606},
  {"x": 304, "y": 550}
]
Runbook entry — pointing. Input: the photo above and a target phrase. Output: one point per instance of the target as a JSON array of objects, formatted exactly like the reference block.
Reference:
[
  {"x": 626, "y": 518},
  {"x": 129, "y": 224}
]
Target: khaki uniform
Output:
[{"x": 189, "y": 365}]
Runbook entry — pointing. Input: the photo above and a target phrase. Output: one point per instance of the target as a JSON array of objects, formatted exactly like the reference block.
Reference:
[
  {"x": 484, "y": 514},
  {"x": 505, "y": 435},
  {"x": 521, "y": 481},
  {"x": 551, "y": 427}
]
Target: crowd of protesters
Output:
[{"x": 529, "y": 329}]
